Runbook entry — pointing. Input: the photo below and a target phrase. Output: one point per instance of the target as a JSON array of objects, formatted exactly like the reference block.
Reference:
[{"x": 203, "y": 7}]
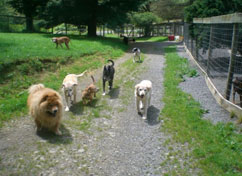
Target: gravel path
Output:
[
  {"x": 134, "y": 146},
  {"x": 197, "y": 87},
  {"x": 122, "y": 144}
]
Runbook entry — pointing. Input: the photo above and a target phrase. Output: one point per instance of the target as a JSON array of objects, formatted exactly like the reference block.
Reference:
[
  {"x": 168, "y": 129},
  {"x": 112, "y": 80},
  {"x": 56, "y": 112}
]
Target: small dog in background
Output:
[
  {"x": 142, "y": 93},
  {"x": 108, "y": 75},
  {"x": 69, "y": 89},
  {"x": 237, "y": 88},
  {"x": 59, "y": 40},
  {"x": 136, "y": 53},
  {"x": 89, "y": 92},
  {"x": 45, "y": 106}
]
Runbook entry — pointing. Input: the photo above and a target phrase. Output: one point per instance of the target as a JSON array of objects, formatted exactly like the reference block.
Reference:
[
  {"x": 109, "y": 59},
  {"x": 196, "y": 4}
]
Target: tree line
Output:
[{"x": 114, "y": 13}]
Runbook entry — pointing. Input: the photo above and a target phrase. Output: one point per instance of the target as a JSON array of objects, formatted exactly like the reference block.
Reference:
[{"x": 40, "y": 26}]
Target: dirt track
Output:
[{"x": 118, "y": 142}]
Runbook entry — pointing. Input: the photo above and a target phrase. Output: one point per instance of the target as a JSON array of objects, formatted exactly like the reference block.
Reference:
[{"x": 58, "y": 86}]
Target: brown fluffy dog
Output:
[
  {"x": 60, "y": 40},
  {"x": 89, "y": 92},
  {"x": 45, "y": 106}
]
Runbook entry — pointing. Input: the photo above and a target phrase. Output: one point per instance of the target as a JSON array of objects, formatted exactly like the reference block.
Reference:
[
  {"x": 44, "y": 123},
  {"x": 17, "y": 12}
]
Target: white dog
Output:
[
  {"x": 143, "y": 95},
  {"x": 69, "y": 89},
  {"x": 136, "y": 52}
]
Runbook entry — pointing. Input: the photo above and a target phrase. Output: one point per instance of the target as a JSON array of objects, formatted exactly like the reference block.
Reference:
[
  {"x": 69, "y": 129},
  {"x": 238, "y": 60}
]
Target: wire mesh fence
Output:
[{"x": 217, "y": 47}]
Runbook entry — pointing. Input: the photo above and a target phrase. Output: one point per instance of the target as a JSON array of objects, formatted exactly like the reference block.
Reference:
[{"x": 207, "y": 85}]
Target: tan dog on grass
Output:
[
  {"x": 69, "y": 89},
  {"x": 89, "y": 92},
  {"x": 45, "y": 106},
  {"x": 59, "y": 40}
]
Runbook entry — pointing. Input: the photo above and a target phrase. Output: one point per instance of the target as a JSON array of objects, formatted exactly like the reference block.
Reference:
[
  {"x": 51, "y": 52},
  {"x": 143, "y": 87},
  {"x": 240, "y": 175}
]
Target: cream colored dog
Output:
[
  {"x": 69, "y": 89},
  {"x": 143, "y": 95}
]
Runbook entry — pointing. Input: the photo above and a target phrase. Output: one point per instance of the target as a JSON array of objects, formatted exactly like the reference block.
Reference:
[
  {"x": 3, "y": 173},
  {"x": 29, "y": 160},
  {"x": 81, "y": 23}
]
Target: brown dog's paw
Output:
[{"x": 58, "y": 132}]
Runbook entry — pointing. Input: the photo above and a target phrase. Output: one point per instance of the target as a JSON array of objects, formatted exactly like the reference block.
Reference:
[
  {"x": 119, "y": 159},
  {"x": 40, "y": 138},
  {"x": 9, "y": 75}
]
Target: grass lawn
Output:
[
  {"x": 216, "y": 148},
  {"x": 24, "y": 46},
  {"x": 29, "y": 50},
  {"x": 152, "y": 39}
]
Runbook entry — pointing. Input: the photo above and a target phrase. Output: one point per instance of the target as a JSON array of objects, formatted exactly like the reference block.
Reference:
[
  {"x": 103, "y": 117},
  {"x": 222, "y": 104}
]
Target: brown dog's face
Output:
[
  {"x": 50, "y": 104},
  {"x": 54, "y": 40}
]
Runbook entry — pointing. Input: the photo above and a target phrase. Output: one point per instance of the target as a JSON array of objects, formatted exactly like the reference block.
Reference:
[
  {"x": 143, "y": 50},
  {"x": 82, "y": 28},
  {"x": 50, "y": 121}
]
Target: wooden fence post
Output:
[
  {"x": 210, "y": 49},
  {"x": 234, "y": 48}
]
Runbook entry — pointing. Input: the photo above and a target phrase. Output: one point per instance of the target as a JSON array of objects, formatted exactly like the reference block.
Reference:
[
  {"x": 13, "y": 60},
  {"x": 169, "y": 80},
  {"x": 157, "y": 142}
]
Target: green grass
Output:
[
  {"x": 86, "y": 54},
  {"x": 24, "y": 46},
  {"x": 152, "y": 39},
  {"x": 216, "y": 148}
]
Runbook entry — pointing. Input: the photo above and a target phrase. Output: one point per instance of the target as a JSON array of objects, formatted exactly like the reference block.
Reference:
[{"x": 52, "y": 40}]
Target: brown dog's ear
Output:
[{"x": 44, "y": 99}]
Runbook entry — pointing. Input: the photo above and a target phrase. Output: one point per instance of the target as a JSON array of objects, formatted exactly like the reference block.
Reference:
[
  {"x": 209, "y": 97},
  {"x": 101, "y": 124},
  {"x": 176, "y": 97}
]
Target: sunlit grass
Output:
[{"x": 217, "y": 148}]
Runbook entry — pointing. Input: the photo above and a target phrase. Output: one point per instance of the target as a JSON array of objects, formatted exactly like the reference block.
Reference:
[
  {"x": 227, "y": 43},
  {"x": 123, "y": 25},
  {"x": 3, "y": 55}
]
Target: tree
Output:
[
  {"x": 29, "y": 9},
  {"x": 208, "y": 8},
  {"x": 145, "y": 20},
  {"x": 91, "y": 12},
  {"x": 170, "y": 9}
]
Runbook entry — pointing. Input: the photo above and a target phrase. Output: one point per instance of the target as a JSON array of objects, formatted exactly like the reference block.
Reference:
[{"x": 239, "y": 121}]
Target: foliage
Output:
[
  {"x": 208, "y": 8},
  {"x": 169, "y": 9},
  {"x": 90, "y": 13},
  {"x": 29, "y": 9},
  {"x": 216, "y": 148},
  {"x": 145, "y": 20}
]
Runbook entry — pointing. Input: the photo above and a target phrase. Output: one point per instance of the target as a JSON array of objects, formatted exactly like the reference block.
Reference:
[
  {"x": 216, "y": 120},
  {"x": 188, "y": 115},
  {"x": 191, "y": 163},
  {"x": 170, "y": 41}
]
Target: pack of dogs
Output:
[{"x": 46, "y": 105}]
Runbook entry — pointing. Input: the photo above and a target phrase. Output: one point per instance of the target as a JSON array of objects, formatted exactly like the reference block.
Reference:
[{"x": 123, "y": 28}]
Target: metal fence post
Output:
[
  {"x": 210, "y": 49},
  {"x": 234, "y": 48}
]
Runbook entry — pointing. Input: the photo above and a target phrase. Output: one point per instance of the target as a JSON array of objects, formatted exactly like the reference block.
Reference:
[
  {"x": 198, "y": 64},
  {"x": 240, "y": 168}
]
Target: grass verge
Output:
[
  {"x": 86, "y": 54},
  {"x": 152, "y": 39},
  {"x": 216, "y": 148}
]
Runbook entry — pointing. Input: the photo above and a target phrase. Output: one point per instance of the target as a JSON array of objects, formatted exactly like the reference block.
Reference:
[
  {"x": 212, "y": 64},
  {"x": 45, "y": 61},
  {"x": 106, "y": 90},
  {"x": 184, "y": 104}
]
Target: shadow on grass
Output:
[
  {"x": 52, "y": 138},
  {"x": 114, "y": 93},
  {"x": 153, "y": 115}
]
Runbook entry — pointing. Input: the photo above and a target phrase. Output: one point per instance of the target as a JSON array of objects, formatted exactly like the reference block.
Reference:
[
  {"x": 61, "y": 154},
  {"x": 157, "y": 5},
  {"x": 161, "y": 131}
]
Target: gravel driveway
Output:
[{"x": 121, "y": 145}]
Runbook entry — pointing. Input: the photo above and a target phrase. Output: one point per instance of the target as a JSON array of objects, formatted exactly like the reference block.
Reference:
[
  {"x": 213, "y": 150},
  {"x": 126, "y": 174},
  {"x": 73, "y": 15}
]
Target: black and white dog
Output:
[
  {"x": 108, "y": 75},
  {"x": 136, "y": 52}
]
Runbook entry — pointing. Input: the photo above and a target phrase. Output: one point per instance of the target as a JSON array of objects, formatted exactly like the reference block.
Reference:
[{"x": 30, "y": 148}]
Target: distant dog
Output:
[
  {"x": 237, "y": 88},
  {"x": 45, "y": 106},
  {"x": 69, "y": 89},
  {"x": 90, "y": 92},
  {"x": 143, "y": 95},
  {"x": 108, "y": 75},
  {"x": 59, "y": 40},
  {"x": 136, "y": 53}
]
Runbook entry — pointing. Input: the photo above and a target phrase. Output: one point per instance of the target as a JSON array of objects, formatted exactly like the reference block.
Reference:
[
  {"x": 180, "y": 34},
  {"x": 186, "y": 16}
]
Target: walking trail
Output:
[{"x": 117, "y": 142}]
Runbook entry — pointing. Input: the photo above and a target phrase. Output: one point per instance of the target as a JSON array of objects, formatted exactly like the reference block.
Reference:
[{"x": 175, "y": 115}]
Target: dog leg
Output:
[
  {"x": 110, "y": 84},
  {"x": 138, "y": 106},
  {"x": 74, "y": 94},
  {"x": 67, "y": 102},
  {"x": 104, "y": 87},
  {"x": 67, "y": 45},
  {"x": 145, "y": 110},
  {"x": 56, "y": 129},
  {"x": 134, "y": 59},
  {"x": 38, "y": 125}
]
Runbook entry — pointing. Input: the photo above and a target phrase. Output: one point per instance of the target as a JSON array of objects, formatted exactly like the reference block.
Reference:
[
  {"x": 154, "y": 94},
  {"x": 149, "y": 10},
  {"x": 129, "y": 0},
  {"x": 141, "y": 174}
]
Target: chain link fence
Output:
[{"x": 216, "y": 45}]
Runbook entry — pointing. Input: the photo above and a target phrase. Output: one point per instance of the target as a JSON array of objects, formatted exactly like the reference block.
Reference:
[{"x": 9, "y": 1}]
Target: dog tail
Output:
[
  {"x": 80, "y": 75},
  {"x": 109, "y": 60},
  {"x": 93, "y": 79},
  {"x": 35, "y": 88}
]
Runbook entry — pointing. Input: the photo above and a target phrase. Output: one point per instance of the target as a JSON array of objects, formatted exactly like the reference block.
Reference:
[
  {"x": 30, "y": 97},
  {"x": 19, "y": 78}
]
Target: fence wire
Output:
[{"x": 219, "y": 54}]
